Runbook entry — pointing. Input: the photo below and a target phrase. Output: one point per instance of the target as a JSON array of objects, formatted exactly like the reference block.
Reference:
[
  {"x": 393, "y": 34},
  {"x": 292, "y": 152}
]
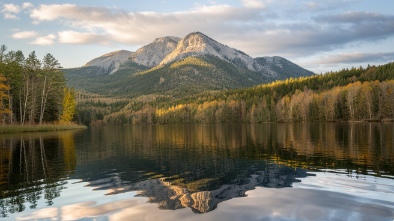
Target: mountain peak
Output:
[
  {"x": 196, "y": 33},
  {"x": 167, "y": 39},
  {"x": 199, "y": 44},
  {"x": 152, "y": 54},
  {"x": 115, "y": 53},
  {"x": 169, "y": 49},
  {"x": 201, "y": 35},
  {"x": 193, "y": 44},
  {"x": 111, "y": 61},
  {"x": 174, "y": 66}
]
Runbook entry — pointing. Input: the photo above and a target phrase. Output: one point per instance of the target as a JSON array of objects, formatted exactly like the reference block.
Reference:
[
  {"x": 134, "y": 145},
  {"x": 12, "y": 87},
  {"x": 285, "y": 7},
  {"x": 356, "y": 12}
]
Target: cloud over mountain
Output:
[
  {"x": 261, "y": 27},
  {"x": 348, "y": 58}
]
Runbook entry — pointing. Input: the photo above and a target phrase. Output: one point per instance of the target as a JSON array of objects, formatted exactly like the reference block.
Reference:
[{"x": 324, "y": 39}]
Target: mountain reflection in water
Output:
[
  {"x": 194, "y": 166},
  {"x": 173, "y": 197}
]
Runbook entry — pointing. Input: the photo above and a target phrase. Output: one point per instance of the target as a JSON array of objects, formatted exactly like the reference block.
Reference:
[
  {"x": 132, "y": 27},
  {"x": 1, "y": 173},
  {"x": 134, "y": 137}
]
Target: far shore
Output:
[{"x": 16, "y": 128}]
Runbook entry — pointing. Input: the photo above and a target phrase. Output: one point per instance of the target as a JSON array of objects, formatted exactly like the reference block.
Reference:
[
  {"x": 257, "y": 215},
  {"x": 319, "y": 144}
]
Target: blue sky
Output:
[{"x": 318, "y": 35}]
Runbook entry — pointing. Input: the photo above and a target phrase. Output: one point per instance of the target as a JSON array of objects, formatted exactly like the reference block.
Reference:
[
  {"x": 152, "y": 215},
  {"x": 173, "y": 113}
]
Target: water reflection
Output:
[
  {"x": 364, "y": 147},
  {"x": 194, "y": 166},
  {"x": 33, "y": 167},
  {"x": 199, "y": 166},
  {"x": 170, "y": 196}
]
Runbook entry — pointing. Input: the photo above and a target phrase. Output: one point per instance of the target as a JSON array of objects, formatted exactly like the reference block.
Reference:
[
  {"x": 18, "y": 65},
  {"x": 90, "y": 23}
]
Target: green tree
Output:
[
  {"x": 28, "y": 98},
  {"x": 52, "y": 81}
]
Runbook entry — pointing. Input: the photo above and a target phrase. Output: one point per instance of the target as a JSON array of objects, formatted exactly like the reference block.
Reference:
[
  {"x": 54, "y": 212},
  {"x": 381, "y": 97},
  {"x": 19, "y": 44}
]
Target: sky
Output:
[{"x": 320, "y": 36}]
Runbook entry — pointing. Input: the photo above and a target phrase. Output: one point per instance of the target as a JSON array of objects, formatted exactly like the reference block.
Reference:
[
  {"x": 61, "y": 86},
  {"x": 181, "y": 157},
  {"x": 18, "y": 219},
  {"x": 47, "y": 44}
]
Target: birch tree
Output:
[
  {"x": 29, "y": 96},
  {"x": 50, "y": 78}
]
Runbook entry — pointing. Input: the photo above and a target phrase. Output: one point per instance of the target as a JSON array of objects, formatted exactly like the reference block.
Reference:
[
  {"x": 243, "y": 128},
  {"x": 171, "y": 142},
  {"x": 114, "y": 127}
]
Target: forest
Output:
[
  {"x": 33, "y": 91},
  {"x": 356, "y": 94}
]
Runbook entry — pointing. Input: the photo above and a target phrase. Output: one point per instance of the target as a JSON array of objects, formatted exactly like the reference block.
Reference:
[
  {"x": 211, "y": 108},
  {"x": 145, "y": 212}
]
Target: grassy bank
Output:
[{"x": 38, "y": 128}]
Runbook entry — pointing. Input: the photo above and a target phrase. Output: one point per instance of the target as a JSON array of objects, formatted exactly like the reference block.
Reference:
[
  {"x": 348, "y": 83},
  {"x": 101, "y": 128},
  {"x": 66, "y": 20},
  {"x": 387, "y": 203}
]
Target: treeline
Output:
[
  {"x": 93, "y": 112},
  {"x": 355, "y": 94},
  {"x": 33, "y": 91},
  {"x": 278, "y": 89},
  {"x": 357, "y": 101}
]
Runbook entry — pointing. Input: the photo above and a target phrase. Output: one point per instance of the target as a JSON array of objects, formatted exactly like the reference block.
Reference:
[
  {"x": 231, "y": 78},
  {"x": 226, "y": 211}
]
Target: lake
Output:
[{"x": 305, "y": 171}]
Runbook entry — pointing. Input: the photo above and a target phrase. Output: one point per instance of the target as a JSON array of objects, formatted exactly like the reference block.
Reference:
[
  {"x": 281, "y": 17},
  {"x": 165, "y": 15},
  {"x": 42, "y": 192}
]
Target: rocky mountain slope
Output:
[
  {"x": 152, "y": 54},
  {"x": 110, "y": 62},
  {"x": 197, "y": 44},
  {"x": 169, "y": 65}
]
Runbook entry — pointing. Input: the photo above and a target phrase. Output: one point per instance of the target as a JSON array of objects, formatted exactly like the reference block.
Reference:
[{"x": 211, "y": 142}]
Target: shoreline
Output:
[{"x": 7, "y": 129}]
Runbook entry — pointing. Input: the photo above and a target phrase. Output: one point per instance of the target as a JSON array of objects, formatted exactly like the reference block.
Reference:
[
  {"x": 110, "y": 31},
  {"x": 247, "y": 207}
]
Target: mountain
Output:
[
  {"x": 110, "y": 62},
  {"x": 178, "y": 67},
  {"x": 197, "y": 44},
  {"x": 152, "y": 54},
  {"x": 281, "y": 67}
]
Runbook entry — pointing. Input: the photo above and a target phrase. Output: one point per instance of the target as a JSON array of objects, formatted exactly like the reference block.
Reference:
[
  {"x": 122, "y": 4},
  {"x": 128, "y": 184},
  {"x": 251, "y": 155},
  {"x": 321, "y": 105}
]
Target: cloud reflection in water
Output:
[{"x": 309, "y": 201}]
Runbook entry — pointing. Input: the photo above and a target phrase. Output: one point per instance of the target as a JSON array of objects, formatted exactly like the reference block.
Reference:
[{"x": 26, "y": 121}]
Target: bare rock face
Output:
[
  {"x": 198, "y": 44},
  {"x": 166, "y": 50},
  {"x": 110, "y": 62},
  {"x": 152, "y": 54}
]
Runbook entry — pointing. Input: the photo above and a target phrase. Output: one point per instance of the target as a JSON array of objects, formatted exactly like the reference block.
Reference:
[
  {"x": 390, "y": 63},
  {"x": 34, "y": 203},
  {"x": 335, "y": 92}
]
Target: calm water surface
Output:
[{"x": 200, "y": 172}]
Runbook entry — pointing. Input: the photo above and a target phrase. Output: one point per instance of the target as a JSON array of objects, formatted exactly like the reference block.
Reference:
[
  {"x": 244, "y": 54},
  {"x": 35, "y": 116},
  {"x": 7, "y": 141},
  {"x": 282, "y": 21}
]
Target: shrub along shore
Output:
[{"x": 38, "y": 128}]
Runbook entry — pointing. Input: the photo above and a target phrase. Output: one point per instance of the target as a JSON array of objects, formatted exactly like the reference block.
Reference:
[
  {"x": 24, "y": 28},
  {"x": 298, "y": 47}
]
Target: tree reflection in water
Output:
[
  {"x": 195, "y": 166},
  {"x": 198, "y": 166},
  {"x": 34, "y": 167}
]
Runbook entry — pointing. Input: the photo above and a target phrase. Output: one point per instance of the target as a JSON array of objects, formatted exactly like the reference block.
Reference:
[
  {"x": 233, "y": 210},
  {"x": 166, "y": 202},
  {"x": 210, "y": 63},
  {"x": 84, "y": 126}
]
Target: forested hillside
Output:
[
  {"x": 32, "y": 90},
  {"x": 182, "y": 78},
  {"x": 175, "y": 67},
  {"x": 347, "y": 95},
  {"x": 188, "y": 76}
]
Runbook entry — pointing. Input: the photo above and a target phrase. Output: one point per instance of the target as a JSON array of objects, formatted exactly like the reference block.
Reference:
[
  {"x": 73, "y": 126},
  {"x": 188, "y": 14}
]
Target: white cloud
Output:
[
  {"x": 255, "y": 27},
  {"x": 137, "y": 27},
  {"x": 10, "y": 11},
  {"x": 253, "y": 3},
  {"x": 357, "y": 57},
  {"x": 44, "y": 40},
  {"x": 11, "y": 8},
  {"x": 73, "y": 37},
  {"x": 312, "y": 5},
  {"x": 24, "y": 34},
  {"x": 9, "y": 16},
  {"x": 52, "y": 12},
  {"x": 27, "y": 5}
]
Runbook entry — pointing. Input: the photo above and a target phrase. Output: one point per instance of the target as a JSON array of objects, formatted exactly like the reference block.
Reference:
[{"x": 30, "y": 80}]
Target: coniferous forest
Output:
[
  {"x": 357, "y": 94},
  {"x": 33, "y": 91}
]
